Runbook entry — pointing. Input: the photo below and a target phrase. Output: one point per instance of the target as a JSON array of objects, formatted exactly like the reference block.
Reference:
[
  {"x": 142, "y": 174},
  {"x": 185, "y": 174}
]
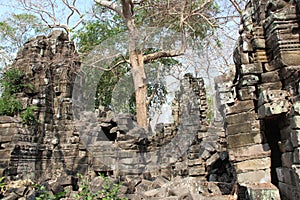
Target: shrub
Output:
[
  {"x": 108, "y": 191},
  {"x": 28, "y": 116},
  {"x": 9, "y": 105},
  {"x": 11, "y": 82}
]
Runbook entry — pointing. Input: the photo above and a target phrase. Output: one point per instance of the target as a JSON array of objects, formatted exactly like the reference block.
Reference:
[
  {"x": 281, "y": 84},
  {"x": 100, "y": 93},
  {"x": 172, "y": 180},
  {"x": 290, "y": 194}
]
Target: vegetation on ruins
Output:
[
  {"x": 10, "y": 84},
  {"x": 107, "y": 191}
]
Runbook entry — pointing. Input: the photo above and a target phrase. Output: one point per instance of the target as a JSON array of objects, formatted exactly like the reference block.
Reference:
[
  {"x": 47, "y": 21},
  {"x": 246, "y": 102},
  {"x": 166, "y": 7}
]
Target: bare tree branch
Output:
[
  {"x": 110, "y": 5},
  {"x": 162, "y": 54}
]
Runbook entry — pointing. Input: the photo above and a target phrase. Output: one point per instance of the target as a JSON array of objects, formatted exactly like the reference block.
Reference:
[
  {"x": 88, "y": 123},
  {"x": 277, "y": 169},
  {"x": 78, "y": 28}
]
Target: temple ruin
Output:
[{"x": 253, "y": 155}]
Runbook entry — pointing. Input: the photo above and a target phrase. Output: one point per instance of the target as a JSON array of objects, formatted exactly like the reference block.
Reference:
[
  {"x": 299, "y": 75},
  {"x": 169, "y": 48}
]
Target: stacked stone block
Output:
[{"x": 263, "y": 96}]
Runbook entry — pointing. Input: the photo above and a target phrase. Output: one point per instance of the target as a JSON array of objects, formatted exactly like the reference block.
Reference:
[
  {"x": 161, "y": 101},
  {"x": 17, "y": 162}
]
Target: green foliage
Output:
[
  {"x": 10, "y": 83},
  {"x": 94, "y": 32},
  {"x": 28, "y": 116},
  {"x": 43, "y": 194},
  {"x": 18, "y": 28},
  {"x": 2, "y": 185},
  {"x": 108, "y": 191},
  {"x": 9, "y": 105}
]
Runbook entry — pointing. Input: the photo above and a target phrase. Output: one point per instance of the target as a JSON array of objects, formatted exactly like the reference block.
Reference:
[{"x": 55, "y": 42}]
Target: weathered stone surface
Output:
[
  {"x": 287, "y": 159},
  {"x": 241, "y": 117},
  {"x": 246, "y": 127},
  {"x": 244, "y": 139},
  {"x": 257, "y": 176},
  {"x": 253, "y": 68},
  {"x": 295, "y": 122},
  {"x": 262, "y": 191},
  {"x": 247, "y": 93},
  {"x": 270, "y": 77},
  {"x": 253, "y": 164},
  {"x": 240, "y": 106},
  {"x": 289, "y": 191},
  {"x": 249, "y": 152}
]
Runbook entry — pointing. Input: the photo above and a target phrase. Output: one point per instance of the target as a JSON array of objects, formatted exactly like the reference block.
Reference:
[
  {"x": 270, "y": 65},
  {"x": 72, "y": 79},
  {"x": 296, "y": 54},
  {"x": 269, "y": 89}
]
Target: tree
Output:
[
  {"x": 15, "y": 30},
  {"x": 192, "y": 18},
  {"x": 69, "y": 18}
]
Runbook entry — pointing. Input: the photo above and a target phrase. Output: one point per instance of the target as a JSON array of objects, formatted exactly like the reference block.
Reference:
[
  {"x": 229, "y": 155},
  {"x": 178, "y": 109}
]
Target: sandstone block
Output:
[
  {"x": 253, "y": 68},
  {"x": 247, "y": 80},
  {"x": 295, "y": 122},
  {"x": 273, "y": 108},
  {"x": 249, "y": 152},
  {"x": 262, "y": 191},
  {"x": 287, "y": 175},
  {"x": 295, "y": 138},
  {"x": 268, "y": 96},
  {"x": 246, "y": 127},
  {"x": 253, "y": 164},
  {"x": 287, "y": 159},
  {"x": 289, "y": 191},
  {"x": 270, "y": 86},
  {"x": 258, "y": 43},
  {"x": 258, "y": 176},
  {"x": 270, "y": 77},
  {"x": 244, "y": 139},
  {"x": 247, "y": 93},
  {"x": 226, "y": 98},
  {"x": 241, "y": 117},
  {"x": 285, "y": 145},
  {"x": 239, "y": 106}
]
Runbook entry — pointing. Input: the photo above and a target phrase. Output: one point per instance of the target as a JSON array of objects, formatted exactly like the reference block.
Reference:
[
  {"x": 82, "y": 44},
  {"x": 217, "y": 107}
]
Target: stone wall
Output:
[
  {"x": 260, "y": 98},
  {"x": 188, "y": 154},
  {"x": 50, "y": 148}
]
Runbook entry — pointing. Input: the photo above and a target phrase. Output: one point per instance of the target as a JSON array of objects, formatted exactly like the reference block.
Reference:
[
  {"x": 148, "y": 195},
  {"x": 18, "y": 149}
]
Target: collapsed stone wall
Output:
[
  {"x": 260, "y": 98},
  {"x": 50, "y": 148},
  {"x": 188, "y": 155}
]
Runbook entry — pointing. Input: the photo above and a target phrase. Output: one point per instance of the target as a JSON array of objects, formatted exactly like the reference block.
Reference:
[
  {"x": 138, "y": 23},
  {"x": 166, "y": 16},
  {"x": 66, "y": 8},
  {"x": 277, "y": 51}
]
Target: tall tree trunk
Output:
[
  {"x": 138, "y": 73},
  {"x": 140, "y": 86}
]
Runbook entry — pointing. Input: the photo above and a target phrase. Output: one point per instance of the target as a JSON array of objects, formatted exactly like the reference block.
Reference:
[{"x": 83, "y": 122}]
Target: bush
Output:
[
  {"x": 9, "y": 105},
  {"x": 11, "y": 82},
  {"x": 28, "y": 116},
  {"x": 108, "y": 191}
]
